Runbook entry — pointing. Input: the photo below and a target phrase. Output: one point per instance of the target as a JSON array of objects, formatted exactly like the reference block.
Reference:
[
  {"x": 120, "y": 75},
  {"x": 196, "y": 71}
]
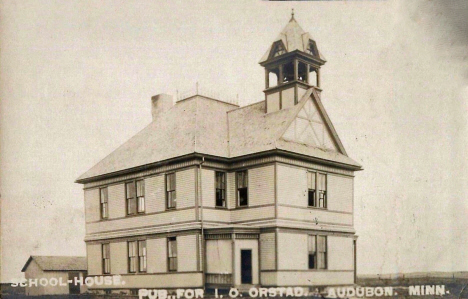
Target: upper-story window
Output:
[
  {"x": 242, "y": 189},
  {"x": 172, "y": 253},
  {"x": 171, "y": 190},
  {"x": 103, "y": 203},
  {"x": 106, "y": 258},
  {"x": 317, "y": 252},
  {"x": 135, "y": 196},
  {"x": 317, "y": 190},
  {"x": 220, "y": 189}
]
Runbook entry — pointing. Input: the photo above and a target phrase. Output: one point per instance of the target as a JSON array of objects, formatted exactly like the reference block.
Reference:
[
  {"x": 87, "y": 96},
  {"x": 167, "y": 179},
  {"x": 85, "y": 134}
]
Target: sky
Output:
[{"x": 76, "y": 79}]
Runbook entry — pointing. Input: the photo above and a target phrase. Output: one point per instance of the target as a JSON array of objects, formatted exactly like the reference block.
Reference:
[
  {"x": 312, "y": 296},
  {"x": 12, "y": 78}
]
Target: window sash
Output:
[
  {"x": 103, "y": 194},
  {"x": 220, "y": 195},
  {"x": 172, "y": 254},
  {"x": 171, "y": 190},
  {"x": 132, "y": 256},
  {"x": 242, "y": 179},
  {"x": 106, "y": 258},
  {"x": 317, "y": 247},
  {"x": 142, "y": 256}
]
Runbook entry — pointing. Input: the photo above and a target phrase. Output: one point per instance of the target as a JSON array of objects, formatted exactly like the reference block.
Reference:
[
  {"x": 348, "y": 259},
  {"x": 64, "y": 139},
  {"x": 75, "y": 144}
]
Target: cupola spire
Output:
[{"x": 292, "y": 65}]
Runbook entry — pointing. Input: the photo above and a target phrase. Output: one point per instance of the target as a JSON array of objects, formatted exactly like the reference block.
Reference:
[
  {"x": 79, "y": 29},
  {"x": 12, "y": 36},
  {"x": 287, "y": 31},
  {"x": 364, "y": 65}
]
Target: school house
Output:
[{"x": 211, "y": 194}]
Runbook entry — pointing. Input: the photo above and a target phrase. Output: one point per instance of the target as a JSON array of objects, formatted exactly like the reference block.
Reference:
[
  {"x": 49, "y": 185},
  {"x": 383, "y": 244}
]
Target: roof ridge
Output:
[{"x": 259, "y": 102}]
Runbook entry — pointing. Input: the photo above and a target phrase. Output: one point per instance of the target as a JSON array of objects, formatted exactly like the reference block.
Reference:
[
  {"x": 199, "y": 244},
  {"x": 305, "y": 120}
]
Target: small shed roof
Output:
[{"x": 58, "y": 263}]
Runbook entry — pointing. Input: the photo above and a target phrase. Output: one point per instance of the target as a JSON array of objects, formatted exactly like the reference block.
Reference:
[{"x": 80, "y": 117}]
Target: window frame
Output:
[
  {"x": 246, "y": 178},
  {"x": 172, "y": 191},
  {"x": 319, "y": 256},
  {"x": 132, "y": 259},
  {"x": 222, "y": 190},
  {"x": 105, "y": 255},
  {"x": 169, "y": 257},
  {"x": 135, "y": 198},
  {"x": 317, "y": 192},
  {"x": 102, "y": 204},
  {"x": 142, "y": 255}
]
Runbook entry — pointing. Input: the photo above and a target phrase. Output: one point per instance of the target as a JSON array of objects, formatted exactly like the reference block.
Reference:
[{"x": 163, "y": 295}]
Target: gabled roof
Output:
[
  {"x": 293, "y": 38},
  {"x": 210, "y": 127},
  {"x": 58, "y": 263}
]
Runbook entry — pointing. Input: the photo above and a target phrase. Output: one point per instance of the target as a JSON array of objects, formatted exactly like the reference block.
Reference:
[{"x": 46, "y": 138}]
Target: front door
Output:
[
  {"x": 246, "y": 266},
  {"x": 73, "y": 288}
]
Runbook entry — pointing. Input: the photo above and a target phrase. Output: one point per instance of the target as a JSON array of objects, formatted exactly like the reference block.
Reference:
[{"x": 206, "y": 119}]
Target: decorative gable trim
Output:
[{"x": 315, "y": 97}]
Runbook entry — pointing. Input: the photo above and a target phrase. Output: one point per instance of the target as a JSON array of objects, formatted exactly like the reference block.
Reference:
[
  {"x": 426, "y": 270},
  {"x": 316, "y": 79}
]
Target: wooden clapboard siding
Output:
[
  {"x": 156, "y": 255},
  {"x": 170, "y": 217},
  {"x": 307, "y": 278},
  {"x": 208, "y": 188},
  {"x": 94, "y": 257},
  {"x": 231, "y": 190},
  {"x": 261, "y": 185},
  {"x": 340, "y": 193},
  {"x": 340, "y": 253},
  {"x": 116, "y": 201},
  {"x": 249, "y": 214},
  {"x": 92, "y": 205},
  {"x": 267, "y": 251},
  {"x": 187, "y": 253},
  {"x": 160, "y": 281},
  {"x": 185, "y": 188},
  {"x": 119, "y": 257},
  {"x": 314, "y": 215},
  {"x": 292, "y": 185},
  {"x": 155, "y": 196}
]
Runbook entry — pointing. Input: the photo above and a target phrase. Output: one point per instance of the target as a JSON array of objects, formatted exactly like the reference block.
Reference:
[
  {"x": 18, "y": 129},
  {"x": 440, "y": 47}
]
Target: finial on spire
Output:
[{"x": 292, "y": 14}]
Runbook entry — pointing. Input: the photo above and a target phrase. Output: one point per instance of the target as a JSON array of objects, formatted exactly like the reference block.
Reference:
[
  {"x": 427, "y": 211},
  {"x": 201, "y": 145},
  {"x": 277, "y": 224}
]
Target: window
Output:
[
  {"x": 172, "y": 253},
  {"x": 322, "y": 190},
  {"x": 279, "y": 49},
  {"x": 312, "y": 252},
  {"x": 137, "y": 256},
  {"x": 220, "y": 189},
  {"x": 317, "y": 252},
  {"x": 106, "y": 258},
  {"x": 171, "y": 190},
  {"x": 311, "y": 49},
  {"x": 311, "y": 188},
  {"x": 140, "y": 193},
  {"x": 142, "y": 256},
  {"x": 242, "y": 189},
  {"x": 322, "y": 252},
  {"x": 135, "y": 195},
  {"x": 103, "y": 201},
  {"x": 132, "y": 256},
  {"x": 317, "y": 190}
]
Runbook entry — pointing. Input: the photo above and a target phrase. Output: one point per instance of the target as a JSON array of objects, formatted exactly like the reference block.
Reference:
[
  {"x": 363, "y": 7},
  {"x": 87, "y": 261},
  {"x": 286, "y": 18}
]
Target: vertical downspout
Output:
[{"x": 202, "y": 247}]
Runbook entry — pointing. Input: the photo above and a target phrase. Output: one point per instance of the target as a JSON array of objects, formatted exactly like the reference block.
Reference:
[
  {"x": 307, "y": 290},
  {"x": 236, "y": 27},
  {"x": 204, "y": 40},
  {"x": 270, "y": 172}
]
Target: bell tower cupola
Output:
[{"x": 292, "y": 65}]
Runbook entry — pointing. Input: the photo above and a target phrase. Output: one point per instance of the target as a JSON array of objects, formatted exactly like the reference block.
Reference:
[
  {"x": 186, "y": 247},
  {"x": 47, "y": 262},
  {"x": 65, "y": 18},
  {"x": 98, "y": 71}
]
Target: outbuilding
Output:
[{"x": 54, "y": 275}]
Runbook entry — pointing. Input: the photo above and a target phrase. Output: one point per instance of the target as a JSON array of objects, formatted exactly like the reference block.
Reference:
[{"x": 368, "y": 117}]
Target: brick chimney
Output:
[{"x": 160, "y": 104}]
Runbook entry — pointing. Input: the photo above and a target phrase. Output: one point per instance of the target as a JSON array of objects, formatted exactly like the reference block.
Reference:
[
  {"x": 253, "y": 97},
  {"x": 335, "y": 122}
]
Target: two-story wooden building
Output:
[{"x": 213, "y": 194}]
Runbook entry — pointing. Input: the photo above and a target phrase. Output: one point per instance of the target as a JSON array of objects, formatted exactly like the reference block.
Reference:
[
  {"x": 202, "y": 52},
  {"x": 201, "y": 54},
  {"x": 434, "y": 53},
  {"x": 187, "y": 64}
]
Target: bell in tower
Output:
[{"x": 292, "y": 66}]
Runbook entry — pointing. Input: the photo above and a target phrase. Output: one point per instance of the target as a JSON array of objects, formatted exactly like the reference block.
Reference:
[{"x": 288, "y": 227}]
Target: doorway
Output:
[
  {"x": 246, "y": 266},
  {"x": 72, "y": 287}
]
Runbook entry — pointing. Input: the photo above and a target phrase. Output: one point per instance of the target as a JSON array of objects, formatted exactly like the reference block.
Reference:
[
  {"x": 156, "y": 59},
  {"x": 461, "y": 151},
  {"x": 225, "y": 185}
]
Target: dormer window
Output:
[
  {"x": 278, "y": 49},
  {"x": 311, "y": 48}
]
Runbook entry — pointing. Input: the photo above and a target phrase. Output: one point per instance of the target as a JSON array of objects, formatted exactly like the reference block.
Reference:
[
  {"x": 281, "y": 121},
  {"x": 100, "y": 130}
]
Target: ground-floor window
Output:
[
  {"x": 106, "y": 258},
  {"x": 317, "y": 252},
  {"x": 172, "y": 253}
]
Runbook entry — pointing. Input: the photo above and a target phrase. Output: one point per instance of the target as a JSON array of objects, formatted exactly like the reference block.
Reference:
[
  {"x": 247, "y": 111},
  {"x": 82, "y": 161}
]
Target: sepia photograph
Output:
[{"x": 234, "y": 149}]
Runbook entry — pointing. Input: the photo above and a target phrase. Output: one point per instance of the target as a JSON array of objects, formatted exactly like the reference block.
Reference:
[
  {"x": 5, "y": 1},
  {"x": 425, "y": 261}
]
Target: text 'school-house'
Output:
[{"x": 213, "y": 194}]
